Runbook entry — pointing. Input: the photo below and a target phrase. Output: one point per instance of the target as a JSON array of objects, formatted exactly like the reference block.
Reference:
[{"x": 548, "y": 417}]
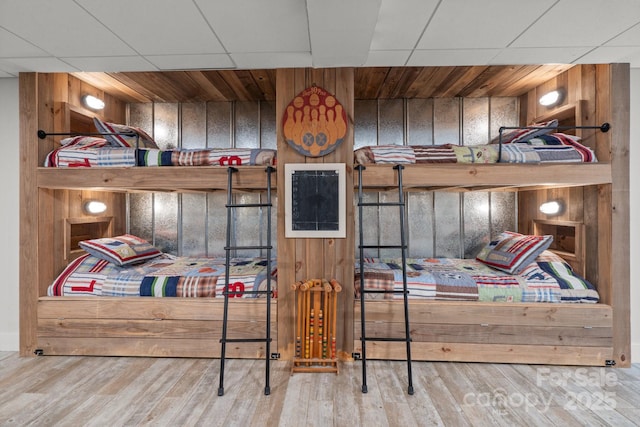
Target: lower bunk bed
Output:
[
  {"x": 466, "y": 311},
  {"x": 161, "y": 305}
]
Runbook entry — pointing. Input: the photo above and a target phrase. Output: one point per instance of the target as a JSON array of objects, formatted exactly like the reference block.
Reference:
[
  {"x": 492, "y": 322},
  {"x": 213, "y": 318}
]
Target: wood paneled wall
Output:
[{"x": 301, "y": 259}]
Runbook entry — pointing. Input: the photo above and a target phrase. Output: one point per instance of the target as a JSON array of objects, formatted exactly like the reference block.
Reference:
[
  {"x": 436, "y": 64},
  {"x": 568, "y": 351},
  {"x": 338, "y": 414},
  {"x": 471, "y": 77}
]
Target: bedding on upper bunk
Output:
[
  {"x": 547, "y": 279},
  {"x": 87, "y": 151},
  {"x": 545, "y": 148},
  {"x": 128, "y": 266}
]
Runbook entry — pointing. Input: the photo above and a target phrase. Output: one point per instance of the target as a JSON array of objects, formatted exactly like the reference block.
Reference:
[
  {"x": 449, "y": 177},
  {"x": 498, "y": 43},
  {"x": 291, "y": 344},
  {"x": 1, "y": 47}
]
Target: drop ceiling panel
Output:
[
  {"x": 413, "y": 15},
  {"x": 452, "y": 57},
  {"x": 61, "y": 28},
  {"x": 581, "y": 23},
  {"x": 245, "y": 26},
  {"x": 186, "y": 62},
  {"x": 269, "y": 60},
  {"x": 11, "y": 45},
  {"x": 157, "y": 27},
  {"x": 460, "y": 24},
  {"x": 111, "y": 63},
  {"x": 45, "y": 65},
  {"x": 607, "y": 54},
  {"x": 385, "y": 58},
  {"x": 341, "y": 30},
  {"x": 631, "y": 37},
  {"x": 541, "y": 55}
]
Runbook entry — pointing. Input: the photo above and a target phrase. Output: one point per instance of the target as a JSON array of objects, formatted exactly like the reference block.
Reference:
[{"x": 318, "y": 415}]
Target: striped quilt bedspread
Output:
[
  {"x": 544, "y": 149},
  {"x": 164, "y": 276},
  {"x": 548, "y": 279},
  {"x": 109, "y": 156}
]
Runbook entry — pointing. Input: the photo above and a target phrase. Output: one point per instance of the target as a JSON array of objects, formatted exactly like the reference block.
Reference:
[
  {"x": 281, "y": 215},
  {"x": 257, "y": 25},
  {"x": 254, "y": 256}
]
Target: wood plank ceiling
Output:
[{"x": 370, "y": 83}]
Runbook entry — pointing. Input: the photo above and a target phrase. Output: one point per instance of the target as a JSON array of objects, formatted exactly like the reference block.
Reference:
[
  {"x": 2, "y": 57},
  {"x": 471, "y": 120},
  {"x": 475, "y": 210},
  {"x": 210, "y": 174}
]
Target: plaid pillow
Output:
[
  {"x": 519, "y": 135},
  {"x": 121, "y": 250},
  {"x": 512, "y": 252},
  {"x": 127, "y": 141}
]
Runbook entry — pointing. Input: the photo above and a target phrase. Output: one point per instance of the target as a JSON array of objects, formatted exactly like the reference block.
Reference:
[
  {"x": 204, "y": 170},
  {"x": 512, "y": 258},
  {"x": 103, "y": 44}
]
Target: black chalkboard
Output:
[{"x": 315, "y": 200}]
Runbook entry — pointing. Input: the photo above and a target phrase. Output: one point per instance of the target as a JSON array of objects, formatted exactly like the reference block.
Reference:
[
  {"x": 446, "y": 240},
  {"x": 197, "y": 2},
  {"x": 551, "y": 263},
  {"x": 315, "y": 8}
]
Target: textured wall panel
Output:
[
  {"x": 366, "y": 123},
  {"x": 165, "y": 207},
  {"x": 446, "y": 121},
  {"x": 503, "y": 112},
  {"x": 165, "y": 125},
  {"x": 141, "y": 115},
  {"x": 447, "y": 229},
  {"x": 141, "y": 215},
  {"x": 420, "y": 224},
  {"x": 503, "y": 212},
  {"x": 391, "y": 119},
  {"x": 246, "y": 125},
  {"x": 420, "y": 121},
  {"x": 216, "y": 224},
  {"x": 268, "y": 124},
  {"x": 194, "y": 125},
  {"x": 219, "y": 124},
  {"x": 194, "y": 222},
  {"x": 475, "y": 121},
  {"x": 476, "y": 222}
]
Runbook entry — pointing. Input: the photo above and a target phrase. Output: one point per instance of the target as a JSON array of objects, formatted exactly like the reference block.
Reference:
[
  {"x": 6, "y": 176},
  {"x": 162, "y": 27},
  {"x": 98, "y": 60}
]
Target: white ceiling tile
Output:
[
  {"x": 157, "y": 27},
  {"x": 272, "y": 60},
  {"x": 463, "y": 24},
  {"x": 581, "y": 23},
  {"x": 246, "y": 26},
  {"x": 341, "y": 30},
  {"x": 630, "y": 37},
  {"x": 184, "y": 62},
  {"x": 451, "y": 57},
  {"x": 607, "y": 54},
  {"x": 44, "y": 64},
  {"x": 387, "y": 58},
  {"x": 110, "y": 63},
  {"x": 539, "y": 55},
  {"x": 412, "y": 15},
  {"x": 60, "y": 28},
  {"x": 11, "y": 45}
]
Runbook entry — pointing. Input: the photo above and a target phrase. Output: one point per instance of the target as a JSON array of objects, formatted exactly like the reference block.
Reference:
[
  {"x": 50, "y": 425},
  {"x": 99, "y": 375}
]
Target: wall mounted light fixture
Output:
[
  {"x": 553, "y": 207},
  {"x": 93, "y": 102},
  {"x": 94, "y": 207},
  {"x": 552, "y": 98}
]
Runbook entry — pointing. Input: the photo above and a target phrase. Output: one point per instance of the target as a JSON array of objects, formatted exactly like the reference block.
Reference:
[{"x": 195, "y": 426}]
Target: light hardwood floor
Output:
[{"x": 118, "y": 391}]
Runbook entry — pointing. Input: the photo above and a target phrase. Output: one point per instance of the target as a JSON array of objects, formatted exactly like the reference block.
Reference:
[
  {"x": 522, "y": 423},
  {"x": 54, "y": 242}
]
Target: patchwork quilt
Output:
[
  {"x": 164, "y": 276},
  {"x": 548, "y": 279}
]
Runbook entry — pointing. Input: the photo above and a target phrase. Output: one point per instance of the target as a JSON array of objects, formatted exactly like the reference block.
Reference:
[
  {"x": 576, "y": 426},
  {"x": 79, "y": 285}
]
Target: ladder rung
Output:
[
  {"x": 384, "y": 291},
  {"x": 249, "y": 205},
  {"x": 386, "y": 339},
  {"x": 381, "y": 204},
  {"x": 230, "y": 248},
  {"x": 248, "y": 293},
  {"x": 245, "y": 340}
]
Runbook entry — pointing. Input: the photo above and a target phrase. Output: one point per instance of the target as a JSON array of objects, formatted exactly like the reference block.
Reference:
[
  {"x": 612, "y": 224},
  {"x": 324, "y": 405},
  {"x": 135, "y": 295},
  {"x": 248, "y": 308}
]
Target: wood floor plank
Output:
[{"x": 97, "y": 391}]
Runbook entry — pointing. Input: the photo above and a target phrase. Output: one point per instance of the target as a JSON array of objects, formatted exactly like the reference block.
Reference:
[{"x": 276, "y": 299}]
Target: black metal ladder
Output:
[
  {"x": 403, "y": 247},
  {"x": 228, "y": 292}
]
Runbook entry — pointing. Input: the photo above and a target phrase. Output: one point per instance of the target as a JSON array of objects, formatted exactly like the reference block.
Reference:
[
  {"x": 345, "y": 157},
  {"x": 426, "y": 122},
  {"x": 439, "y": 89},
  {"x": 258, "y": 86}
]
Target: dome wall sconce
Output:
[
  {"x": 94, "y": 207},
  {"x": 93, "y": 102},
  {"x": 552, "y": 208}
]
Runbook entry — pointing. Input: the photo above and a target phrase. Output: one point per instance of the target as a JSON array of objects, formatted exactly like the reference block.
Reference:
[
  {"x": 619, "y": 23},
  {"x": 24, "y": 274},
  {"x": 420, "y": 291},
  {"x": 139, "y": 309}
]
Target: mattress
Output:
[
  {"x": 163, "y": 276},
  {"x": 548, "y": 279}
]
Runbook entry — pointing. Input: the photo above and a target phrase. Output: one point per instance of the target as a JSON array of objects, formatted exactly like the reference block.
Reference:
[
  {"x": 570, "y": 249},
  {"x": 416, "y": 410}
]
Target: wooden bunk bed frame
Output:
[{"x": 597, "y": 196}]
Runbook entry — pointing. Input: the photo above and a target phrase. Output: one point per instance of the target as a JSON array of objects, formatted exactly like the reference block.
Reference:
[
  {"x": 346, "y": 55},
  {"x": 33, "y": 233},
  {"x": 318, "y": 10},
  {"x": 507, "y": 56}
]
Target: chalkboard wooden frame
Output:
[{"x": 307, "y": 185}]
